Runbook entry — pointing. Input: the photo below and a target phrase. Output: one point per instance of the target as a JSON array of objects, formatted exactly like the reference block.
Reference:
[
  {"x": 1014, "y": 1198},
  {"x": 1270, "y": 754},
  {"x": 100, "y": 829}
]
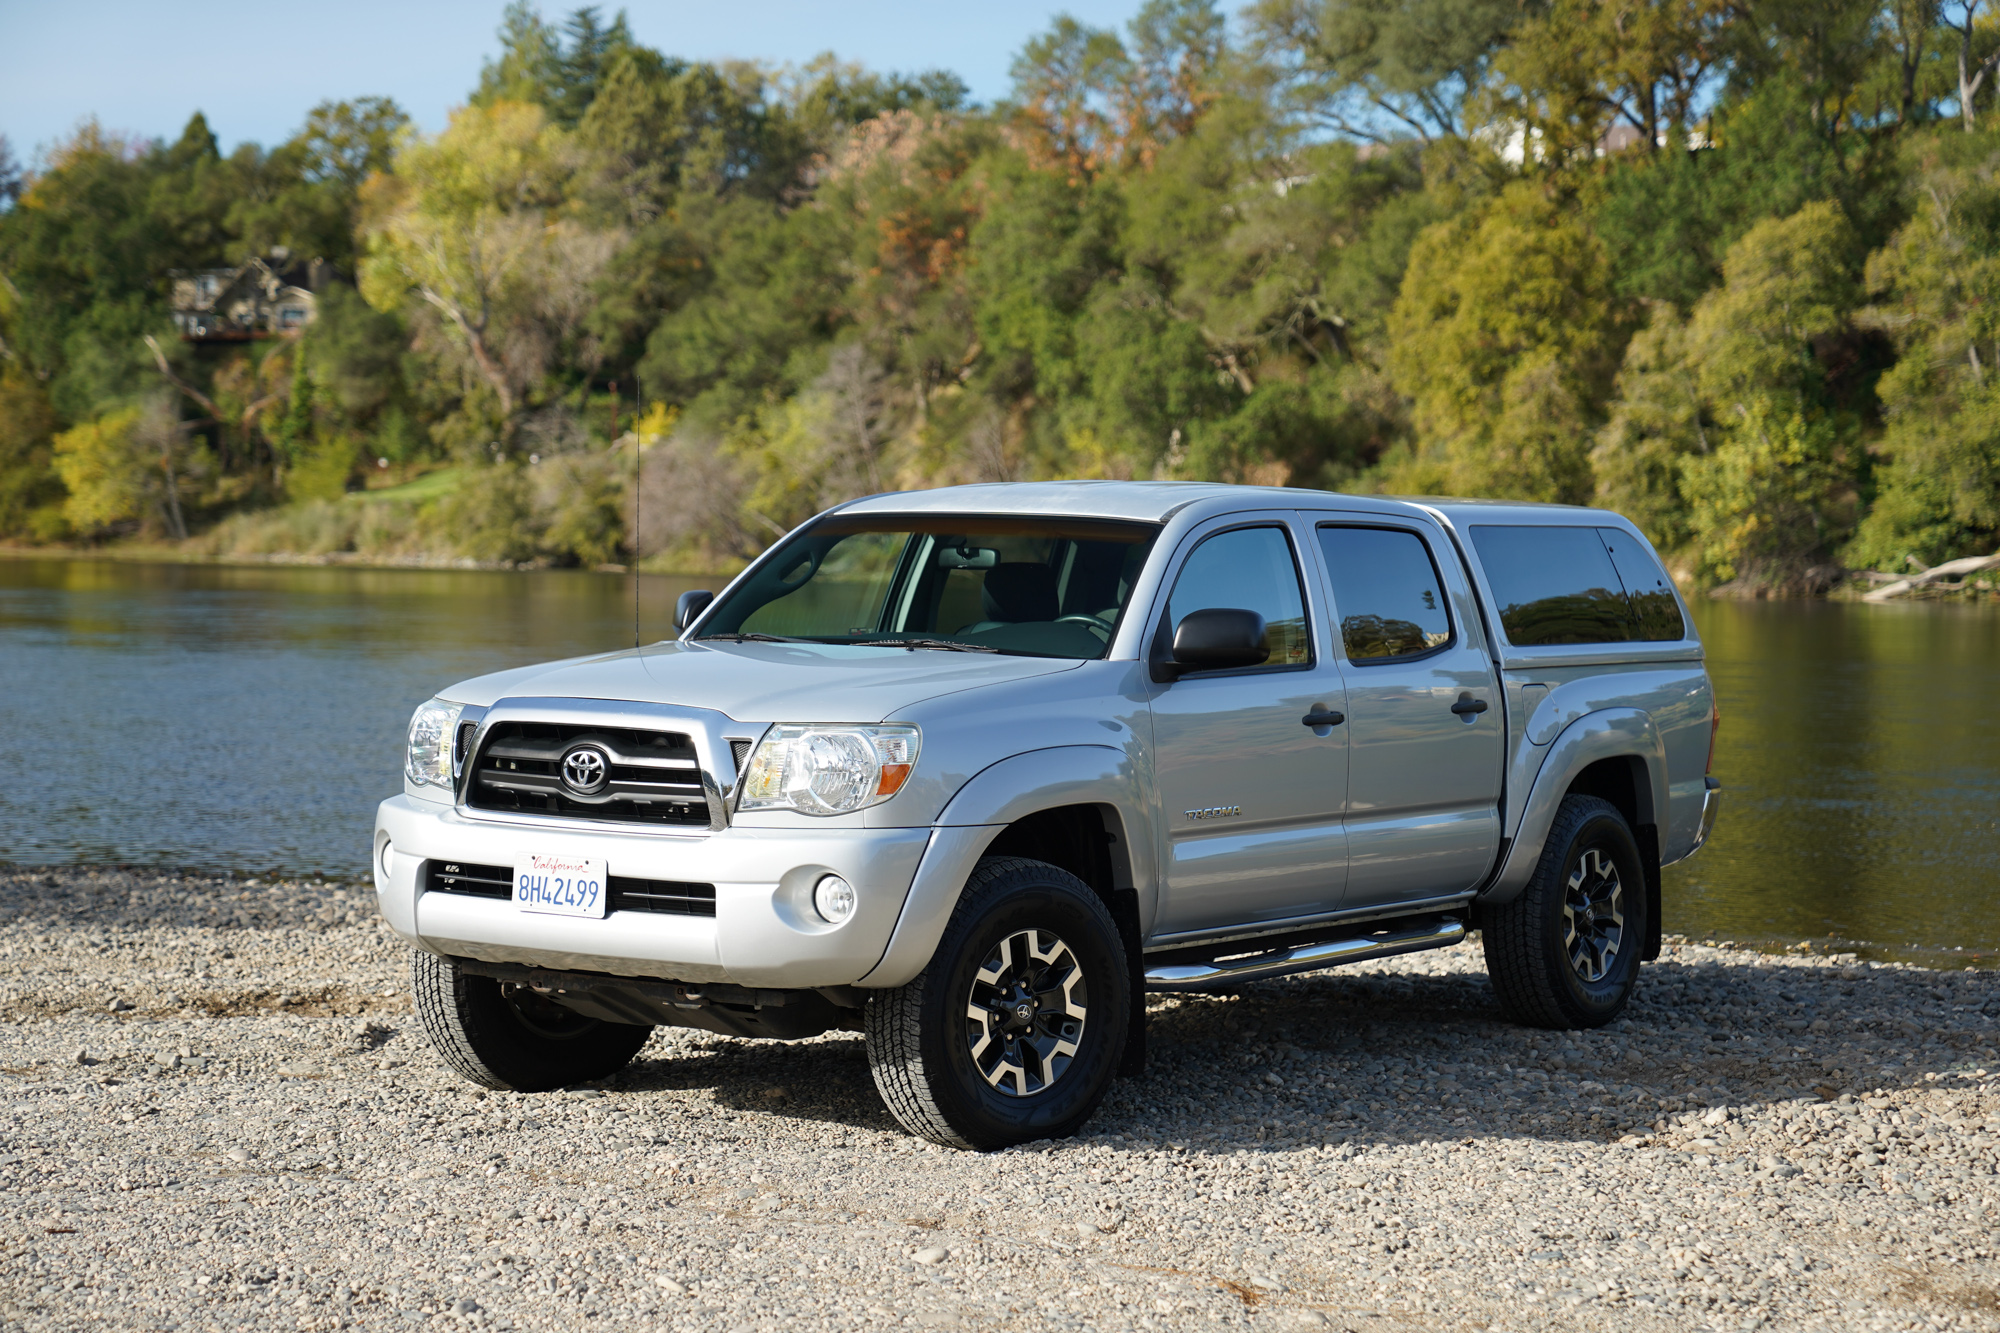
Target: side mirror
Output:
[
  {"x": 691, "y": 605},
  {"x": 1217, "y": 639}
]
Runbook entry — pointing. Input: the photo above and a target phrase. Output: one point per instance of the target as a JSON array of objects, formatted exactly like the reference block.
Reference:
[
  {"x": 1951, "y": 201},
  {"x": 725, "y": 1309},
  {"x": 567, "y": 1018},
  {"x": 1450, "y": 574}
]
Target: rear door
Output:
[
  {"x": 1251, "y": 792},
  {"x": 1425, "y": 732}
]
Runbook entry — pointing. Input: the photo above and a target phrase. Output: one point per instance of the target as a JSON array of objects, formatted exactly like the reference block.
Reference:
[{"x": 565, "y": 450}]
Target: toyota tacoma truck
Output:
[{"x": 970, "y": 770}]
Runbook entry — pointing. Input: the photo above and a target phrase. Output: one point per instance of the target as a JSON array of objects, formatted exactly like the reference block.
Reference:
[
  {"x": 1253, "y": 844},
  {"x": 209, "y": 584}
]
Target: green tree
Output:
[
  {"x": 471, "y": 227},
  {"x": 1506, "y": 338},
  {"x": 1659, "y": 420},
  {"x": 559, "y": 69},
  {"x": 1937, "y": 289},
  {"x": 1669, "y": 218},
  {"x": 88, "y": 251},
  {"x": 302, "y": 195},
  {"x": 31, "y": 493},
  {"x": 130, "y": 466},
  {"x": 1731, "y": 433},
  {"x": 1378, "y": 70}
]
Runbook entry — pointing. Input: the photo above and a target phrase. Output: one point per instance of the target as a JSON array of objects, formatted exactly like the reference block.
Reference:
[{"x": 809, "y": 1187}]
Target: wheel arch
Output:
[
  {"x": 1078, "y": 807},
  {"x": 1616, "y": 754}
]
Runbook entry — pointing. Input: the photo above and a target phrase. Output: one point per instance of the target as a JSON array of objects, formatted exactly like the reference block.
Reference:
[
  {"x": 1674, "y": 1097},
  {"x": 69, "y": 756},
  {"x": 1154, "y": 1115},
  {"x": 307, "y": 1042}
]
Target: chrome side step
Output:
[{"x": 1304, "y": 957}]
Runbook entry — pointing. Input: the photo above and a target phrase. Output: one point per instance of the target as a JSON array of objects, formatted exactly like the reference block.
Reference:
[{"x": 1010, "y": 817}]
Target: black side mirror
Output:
[
  {"x": 691, "y": 605},
  {"x": 1217, "y": 639}
]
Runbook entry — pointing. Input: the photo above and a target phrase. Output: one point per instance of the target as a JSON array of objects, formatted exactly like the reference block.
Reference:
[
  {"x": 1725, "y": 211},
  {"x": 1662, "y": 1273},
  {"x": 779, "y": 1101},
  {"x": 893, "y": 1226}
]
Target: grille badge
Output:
[{"x": 585, "y": 769}]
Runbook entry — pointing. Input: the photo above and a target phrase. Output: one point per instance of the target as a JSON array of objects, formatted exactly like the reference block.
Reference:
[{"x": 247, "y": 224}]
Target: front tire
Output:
[
  {"x": 1565, "y": 952},
  {"x": 507, "y": 1037},
  {"x": 1016, "y": 1028}
]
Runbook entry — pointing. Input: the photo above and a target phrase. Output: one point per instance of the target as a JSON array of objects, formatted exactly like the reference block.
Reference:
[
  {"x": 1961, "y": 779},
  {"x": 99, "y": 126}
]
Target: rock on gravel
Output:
[{"x": 262, "y": 1140}]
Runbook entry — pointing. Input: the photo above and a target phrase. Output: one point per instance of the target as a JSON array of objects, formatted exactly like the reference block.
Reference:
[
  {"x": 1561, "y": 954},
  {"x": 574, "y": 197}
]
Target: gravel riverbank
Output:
[{"x": 216, "y": 1113}]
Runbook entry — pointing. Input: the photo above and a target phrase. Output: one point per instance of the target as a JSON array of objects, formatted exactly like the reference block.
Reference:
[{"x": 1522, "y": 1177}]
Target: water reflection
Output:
[
  {"x": 1861, "y": 752},
  {"x": 249, "y": 718}
]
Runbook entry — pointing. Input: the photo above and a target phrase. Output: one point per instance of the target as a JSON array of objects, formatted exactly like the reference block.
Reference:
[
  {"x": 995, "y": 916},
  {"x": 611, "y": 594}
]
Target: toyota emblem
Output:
[{"x": 585, "y": 770}]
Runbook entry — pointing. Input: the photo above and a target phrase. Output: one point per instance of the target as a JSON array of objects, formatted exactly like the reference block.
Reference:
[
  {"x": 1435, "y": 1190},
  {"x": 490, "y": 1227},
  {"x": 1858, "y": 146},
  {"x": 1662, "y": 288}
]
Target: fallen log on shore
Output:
[{"x": 1968, "y": 565}]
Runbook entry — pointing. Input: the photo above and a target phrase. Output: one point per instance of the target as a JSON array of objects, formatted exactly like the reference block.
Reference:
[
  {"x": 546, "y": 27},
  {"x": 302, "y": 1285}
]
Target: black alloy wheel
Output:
[
  {"x": 1026, "y": 1012},
  {"x": 1016, "y": 1028},
  {"x": 1565, "y": 952},
  {"x": 1594, "y": 915}
]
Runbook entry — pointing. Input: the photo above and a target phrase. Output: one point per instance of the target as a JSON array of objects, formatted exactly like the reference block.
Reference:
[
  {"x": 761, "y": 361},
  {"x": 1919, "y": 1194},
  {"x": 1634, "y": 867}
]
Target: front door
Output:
[
  {"x": 1426, "y": 735},
  {"x": 1251, "y": 792}
]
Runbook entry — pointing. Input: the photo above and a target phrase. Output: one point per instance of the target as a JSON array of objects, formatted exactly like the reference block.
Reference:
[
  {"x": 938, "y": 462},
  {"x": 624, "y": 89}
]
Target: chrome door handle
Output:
[
  {"x": 1324, "y": 719},
  {"x": 1467, "y": 705}
]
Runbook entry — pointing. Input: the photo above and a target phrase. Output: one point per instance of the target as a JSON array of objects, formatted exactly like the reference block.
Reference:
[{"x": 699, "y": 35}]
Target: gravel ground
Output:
[{"x": 216, "y": 1113}]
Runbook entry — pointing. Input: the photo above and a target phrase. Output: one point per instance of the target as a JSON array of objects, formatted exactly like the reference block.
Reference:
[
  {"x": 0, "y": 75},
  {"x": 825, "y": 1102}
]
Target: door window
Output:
[
  {"x": 1386, "y": 592},
  {"x": 1248, "y": 569}
]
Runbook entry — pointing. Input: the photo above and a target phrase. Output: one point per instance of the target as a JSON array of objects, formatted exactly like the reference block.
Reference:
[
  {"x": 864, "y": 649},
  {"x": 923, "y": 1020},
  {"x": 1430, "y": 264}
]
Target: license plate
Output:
[{"x": 563, "y": 885}]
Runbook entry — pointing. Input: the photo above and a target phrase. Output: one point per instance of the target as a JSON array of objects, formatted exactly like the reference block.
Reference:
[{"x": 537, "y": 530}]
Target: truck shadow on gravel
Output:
[
  {"x": 1384, "y": 1057},
  {"x": 824, "y": 1080}
]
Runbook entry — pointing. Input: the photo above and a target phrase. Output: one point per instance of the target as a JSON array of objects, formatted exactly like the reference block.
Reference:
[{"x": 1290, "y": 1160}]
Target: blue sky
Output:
[{"x": 256, "y": 68}]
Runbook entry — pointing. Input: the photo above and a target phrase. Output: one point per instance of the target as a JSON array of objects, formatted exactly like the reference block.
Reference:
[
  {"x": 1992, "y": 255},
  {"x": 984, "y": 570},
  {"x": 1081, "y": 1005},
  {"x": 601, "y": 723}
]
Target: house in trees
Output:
[{"x": 271, "y": 296}]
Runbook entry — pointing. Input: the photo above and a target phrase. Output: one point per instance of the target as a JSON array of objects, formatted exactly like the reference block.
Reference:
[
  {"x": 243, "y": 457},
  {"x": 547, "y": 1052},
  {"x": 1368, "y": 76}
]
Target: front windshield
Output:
[{"x": 1030, "y": 586}]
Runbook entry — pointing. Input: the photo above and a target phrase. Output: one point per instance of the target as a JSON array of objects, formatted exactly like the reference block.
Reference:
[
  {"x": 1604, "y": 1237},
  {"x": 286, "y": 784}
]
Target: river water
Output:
[{"x": 248, "y": 718}]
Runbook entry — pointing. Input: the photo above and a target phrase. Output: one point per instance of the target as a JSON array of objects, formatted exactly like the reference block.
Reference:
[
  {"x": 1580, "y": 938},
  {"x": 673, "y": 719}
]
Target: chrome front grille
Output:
[{"x": 651, "y": 777}]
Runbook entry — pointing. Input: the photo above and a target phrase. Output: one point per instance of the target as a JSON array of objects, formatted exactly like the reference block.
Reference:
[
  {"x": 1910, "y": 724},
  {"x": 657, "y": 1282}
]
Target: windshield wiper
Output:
[
  {"x": 948, "y": 645},
  {"x": 752, "y": 637}
]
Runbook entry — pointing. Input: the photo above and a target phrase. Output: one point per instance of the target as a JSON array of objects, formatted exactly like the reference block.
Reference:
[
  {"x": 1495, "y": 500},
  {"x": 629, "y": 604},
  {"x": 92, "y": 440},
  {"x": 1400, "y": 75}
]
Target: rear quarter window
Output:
[
  {"x": 1558, "y": 585},
  {"x": 1656, "y": 612}
]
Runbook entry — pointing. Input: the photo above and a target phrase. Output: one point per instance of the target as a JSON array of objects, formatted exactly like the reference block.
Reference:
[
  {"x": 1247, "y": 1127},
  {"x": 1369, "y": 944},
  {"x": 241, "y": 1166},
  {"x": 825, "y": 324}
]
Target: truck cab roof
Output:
[{"x": 1159, "y": 501}]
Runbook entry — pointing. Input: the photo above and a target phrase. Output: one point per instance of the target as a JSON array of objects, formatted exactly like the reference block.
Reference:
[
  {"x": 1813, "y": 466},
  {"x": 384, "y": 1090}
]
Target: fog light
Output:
[{"x": 833, "y": 899}]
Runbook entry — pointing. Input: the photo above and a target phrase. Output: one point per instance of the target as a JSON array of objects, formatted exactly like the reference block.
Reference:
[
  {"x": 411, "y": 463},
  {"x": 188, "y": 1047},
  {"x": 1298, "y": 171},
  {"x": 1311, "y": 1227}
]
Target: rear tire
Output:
[
  {"x": 1565, "y": 952},
  {"x": 1015, "y": 1030},
  {"x": 507, "y": 1037}
]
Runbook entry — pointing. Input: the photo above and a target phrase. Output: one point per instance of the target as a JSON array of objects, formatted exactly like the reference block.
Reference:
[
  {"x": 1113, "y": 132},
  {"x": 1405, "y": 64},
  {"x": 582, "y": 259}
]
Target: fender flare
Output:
[
  {"x": 1610, "y": 733},
  {"x": 991, "y": 799}
]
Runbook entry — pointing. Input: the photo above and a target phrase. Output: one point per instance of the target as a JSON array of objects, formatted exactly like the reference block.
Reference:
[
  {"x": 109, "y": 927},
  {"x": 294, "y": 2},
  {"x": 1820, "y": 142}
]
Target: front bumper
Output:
[{"x": 764, "y": 931}]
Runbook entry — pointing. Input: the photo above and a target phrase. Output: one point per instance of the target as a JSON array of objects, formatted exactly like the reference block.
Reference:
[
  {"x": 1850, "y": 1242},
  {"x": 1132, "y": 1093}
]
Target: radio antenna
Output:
[{"x": 635, "y": 502}]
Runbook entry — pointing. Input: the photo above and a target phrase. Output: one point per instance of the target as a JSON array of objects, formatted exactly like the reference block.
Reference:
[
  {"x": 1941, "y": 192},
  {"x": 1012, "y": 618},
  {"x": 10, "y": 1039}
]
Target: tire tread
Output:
[
  {"x": 893, "y": 1023},
  {"x": 435, "y": 987},
  {"x": 460, "y": 1026},
  {"x": 1517, "y": 962}
]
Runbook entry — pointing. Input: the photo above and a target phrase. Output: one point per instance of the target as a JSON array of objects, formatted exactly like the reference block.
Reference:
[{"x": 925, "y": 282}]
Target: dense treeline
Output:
[{"x": 1731, "y": 268}]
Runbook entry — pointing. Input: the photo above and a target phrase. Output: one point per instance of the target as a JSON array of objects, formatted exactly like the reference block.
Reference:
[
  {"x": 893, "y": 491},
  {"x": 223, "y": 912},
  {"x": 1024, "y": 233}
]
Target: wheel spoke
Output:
[
  {"x": 1025, "y": 1012},
  {"x": 1593, "y": 915}
]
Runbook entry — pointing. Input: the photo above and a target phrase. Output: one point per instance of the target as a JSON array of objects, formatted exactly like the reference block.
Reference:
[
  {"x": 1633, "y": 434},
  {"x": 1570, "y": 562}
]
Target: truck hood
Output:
[{"x": 762, "y": 682}]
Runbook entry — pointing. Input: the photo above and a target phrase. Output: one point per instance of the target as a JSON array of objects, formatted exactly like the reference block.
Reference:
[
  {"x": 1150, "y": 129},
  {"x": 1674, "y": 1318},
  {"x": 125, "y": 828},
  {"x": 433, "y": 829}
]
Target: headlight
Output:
[
  {"x": 818, "y": 770},
  {"x": 431, "y": 729}
]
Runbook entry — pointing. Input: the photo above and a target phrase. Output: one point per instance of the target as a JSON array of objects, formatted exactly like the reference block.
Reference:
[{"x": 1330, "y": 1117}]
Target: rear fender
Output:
[
  {"x": 1610, "y": 733},
  {"x": 992, "y": 799}
]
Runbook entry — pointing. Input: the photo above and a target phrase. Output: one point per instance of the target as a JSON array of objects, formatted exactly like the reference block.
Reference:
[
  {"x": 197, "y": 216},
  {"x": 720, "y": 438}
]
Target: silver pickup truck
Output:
[{"x": 969, "y": 770}]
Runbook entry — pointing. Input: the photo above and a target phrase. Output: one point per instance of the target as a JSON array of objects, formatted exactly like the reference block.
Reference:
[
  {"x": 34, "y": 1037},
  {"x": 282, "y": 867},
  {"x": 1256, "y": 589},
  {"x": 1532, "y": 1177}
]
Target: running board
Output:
[{"x": 1304, "y": 957}]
